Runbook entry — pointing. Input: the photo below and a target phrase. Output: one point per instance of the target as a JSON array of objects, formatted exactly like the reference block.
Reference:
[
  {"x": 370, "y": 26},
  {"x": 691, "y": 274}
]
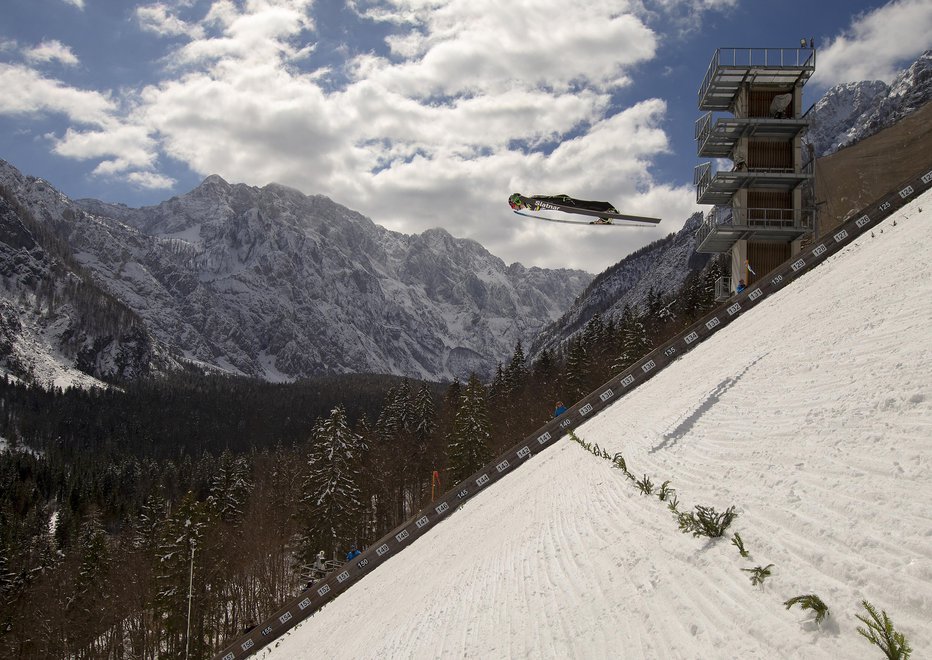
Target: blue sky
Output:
[{"x": 418, "y": 113}]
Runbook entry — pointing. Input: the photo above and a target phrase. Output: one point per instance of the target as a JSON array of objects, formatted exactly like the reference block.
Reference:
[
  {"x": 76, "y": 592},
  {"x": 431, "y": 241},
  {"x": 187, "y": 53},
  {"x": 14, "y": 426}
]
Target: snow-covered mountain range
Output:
[
  {"x": 269, "y": 282},
  {"x": 57, "y": 325},
  {"x": 848, "y": 113}
]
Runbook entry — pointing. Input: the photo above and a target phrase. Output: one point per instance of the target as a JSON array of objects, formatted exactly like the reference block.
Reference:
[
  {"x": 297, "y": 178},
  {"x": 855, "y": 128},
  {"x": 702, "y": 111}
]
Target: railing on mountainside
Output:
[{"x": 401, "y": 537}]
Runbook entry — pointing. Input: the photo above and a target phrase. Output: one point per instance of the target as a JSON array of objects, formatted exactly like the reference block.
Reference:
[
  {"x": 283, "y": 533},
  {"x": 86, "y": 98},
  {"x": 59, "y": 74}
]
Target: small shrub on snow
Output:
[
  {"x": 880, "y": 631},
  {"x": 646, "y": 486},
  {"x": 810, "y": 602},
  {"x": 665, "y": 491},
  {"x": 706, "y": 521},
  {"x": 738, "y": 543},
  {"x": 598, "y": 451},
  {"x": 619, "y": 461},
  {"x": 758, "y": 574}
]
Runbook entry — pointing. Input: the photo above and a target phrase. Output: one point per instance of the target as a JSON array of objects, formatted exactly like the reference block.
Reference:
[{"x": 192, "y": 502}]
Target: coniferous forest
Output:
[{"x": 110, "y": 497}]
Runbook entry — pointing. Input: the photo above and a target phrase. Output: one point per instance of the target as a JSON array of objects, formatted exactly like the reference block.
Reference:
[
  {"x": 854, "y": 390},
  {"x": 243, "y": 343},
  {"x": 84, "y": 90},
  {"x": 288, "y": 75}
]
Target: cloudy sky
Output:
[{"x": 418, "y": 113}]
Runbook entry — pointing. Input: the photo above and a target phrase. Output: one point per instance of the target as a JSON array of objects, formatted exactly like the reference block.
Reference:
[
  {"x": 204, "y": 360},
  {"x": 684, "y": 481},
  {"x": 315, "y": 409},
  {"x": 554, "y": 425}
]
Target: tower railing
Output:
[
  {"x": 755, "y": 218},
  {"x": 703, "y": 129},
  {"x": 756, "y": 57},
  {"x": 767, "y": 57},
  {"x": 702, "y": 177}
]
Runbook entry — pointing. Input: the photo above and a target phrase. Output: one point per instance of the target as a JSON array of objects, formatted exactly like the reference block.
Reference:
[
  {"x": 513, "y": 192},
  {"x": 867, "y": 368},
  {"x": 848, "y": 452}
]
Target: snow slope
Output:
[{"x": 812, "y": 415}]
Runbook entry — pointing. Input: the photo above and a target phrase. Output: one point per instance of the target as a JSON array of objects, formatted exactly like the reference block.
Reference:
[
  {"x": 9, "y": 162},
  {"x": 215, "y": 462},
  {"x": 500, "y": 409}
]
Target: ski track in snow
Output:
[{"x": 820, "y": 434}]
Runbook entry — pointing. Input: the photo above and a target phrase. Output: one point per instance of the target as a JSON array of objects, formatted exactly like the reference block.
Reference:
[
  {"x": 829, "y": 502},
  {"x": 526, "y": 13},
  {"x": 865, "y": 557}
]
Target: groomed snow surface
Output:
[{"x": 812, "y": 415}]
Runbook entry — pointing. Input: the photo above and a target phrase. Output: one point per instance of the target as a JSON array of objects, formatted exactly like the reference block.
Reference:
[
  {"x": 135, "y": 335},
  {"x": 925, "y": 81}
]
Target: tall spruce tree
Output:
[
  {"x": 425, "y": 417},
  {"x": 185, "y": 529},
  {"x": 331, "y": 498},
  {"x": 94, "y": 554},
  {"x": 423, "y": 430},
  {"x": 469, "y": 446},
  {"x": 230, "y": 487},
  {"x": 397, "y": 455},
  {"x": 516, "y": 372},
  {"x": 577, "y": 368},
  {"x": 633, "y": 340}
]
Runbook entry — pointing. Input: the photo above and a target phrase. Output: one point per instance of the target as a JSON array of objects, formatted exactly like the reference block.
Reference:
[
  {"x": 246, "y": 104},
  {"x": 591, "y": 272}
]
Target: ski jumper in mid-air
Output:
[{"x": 604, "y": 212}]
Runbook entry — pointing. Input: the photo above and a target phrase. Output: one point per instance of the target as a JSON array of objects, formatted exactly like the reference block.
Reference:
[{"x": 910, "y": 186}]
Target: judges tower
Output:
[{"x": 759, "y": 215}]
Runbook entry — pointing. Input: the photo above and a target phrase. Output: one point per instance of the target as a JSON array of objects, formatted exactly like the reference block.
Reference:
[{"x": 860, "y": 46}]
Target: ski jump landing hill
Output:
[{"x": 400, "y": 538}]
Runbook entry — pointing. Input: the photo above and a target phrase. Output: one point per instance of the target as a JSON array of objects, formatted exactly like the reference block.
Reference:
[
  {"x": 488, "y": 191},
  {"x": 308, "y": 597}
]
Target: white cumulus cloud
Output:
[
  {"x": 464, "y": 103},
  {"x": 876, "y": 44},
  {"x": 36, "y": 94},
  {"x": 132, "y": 146},
  {"x": 51, "y": 51},
  {"x": 159, "y": 19},
  {"x": 150, "y": 180}
]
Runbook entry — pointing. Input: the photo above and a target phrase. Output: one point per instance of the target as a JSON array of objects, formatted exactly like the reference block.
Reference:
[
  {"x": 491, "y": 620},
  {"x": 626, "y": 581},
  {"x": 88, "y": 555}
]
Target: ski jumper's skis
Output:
[{"x": 604, "y": 211}]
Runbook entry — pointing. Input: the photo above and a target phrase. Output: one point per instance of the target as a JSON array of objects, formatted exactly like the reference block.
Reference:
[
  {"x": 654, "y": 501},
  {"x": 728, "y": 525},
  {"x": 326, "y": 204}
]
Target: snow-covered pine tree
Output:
[
  {"x": 94, "y": 552},
  {"x": 152, "y": 515},
  {"x": 396, "y": 450},
  {"x": 599, "y": 352},
  {"x": 498, "y": 390},
  {"x": 8, "y": 581},
  {"x": 577, "y": 368},
  {"x": 469, "y": 446},
  {"x": 331, "y": 499},
  {"x": 516, "y": 372},
  {"x": 424, "y": 428},
  {"x": 656, "y": 315},
  {"x": 230, "y": 487},
  {"x": 545, "y": 368},
  {"x": 183, "y": 530},
  {"x": 394, "y": 419},
  {"x": 425, "y": 417},
  {"x": 87, "y": 585},
  {"x": 633, "y": 340},
  {"x": 706, "y": 300}
]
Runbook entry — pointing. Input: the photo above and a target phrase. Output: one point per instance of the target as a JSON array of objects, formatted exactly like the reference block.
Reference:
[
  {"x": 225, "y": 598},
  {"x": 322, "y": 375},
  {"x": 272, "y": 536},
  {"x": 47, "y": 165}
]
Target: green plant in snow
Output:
[
  {"x": 582, "y": 443},
  {"x": 880, "y": 631},
  {"x": 646, "y": 486},
  {"x": 665, "y": 491},
  {"x": 598, "y": 451},
  {"x": 619, "y": 462},
  {"x": 758, "y": 574},
  {"x": 673, "y": 504},
  {"x": 810, "y": 602},
  {"x": 706, "y": 521},
  {"x": 738, "y": 543}
]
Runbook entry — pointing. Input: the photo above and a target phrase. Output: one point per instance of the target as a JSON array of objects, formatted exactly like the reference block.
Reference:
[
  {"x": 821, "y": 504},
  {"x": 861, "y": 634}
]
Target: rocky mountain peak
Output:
[
  {"x": 276, "y": 284},
  {"x": 850, "y": 112}
]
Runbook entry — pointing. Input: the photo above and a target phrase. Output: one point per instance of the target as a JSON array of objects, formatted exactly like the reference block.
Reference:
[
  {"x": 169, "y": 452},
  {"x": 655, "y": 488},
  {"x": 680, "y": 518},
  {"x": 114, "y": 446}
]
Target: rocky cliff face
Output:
[
  {"x": 57, "y": 327},
  {"x": 849, "y": 113},
  {"x": 272, "y": 283}
]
